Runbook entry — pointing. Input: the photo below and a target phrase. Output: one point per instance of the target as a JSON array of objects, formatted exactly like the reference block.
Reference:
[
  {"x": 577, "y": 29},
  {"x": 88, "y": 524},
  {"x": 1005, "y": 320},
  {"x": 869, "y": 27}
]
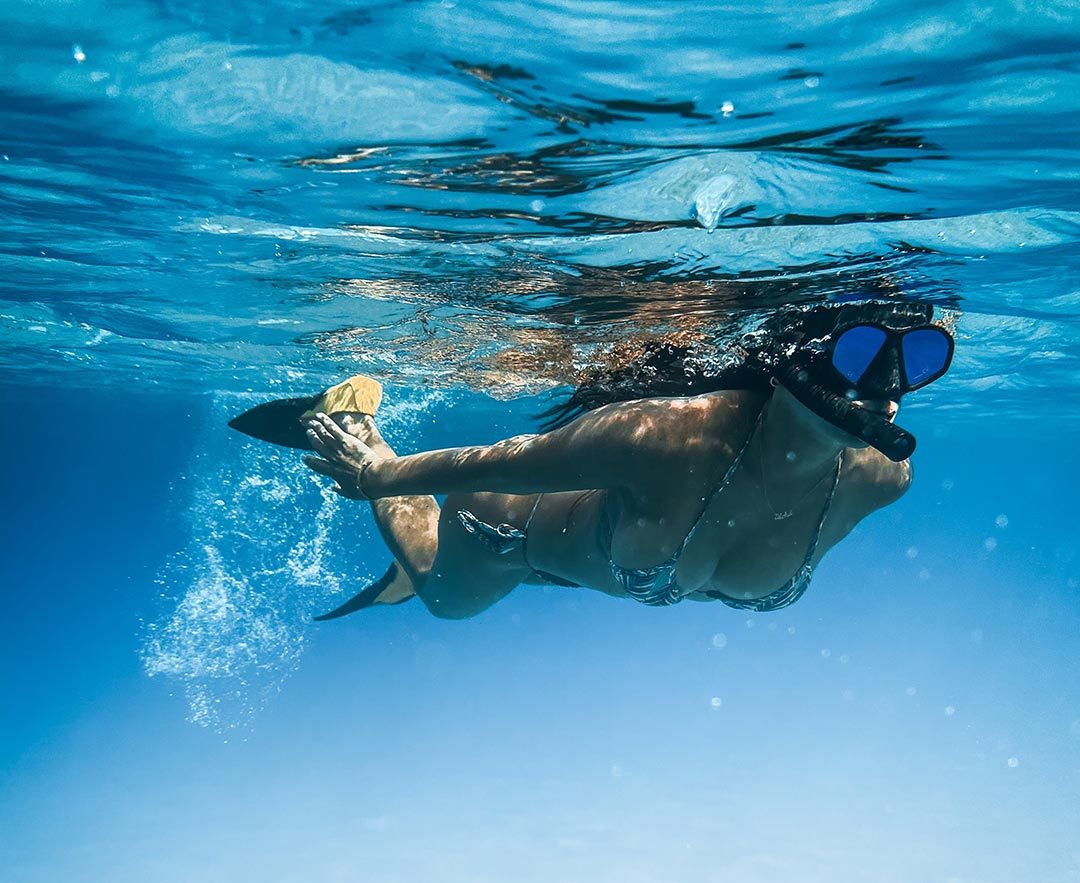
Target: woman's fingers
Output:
[
  {"x": 330, "y": 440},
  {"x": 330, "y": 470},
  {"x": 344, "y": 480},
  {"x": 318, "y": 465},
  {"x": 345, "y": 456},
  {"x": 331, "y": 427},
  {"x": 322, "y": 440}
]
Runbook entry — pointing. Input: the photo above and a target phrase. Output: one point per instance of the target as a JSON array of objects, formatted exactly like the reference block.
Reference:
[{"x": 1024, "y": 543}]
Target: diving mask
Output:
[{"x": 869, "y": 361}]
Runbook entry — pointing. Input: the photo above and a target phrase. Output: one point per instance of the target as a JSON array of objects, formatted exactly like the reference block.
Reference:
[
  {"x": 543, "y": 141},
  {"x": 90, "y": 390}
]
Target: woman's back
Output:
[{"x": 696, "y": 516}]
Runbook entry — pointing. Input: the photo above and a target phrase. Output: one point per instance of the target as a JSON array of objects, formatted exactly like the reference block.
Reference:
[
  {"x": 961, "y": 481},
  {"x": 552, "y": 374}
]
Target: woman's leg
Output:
[
  {"x": 467, "y": 577},
  {"x": 450, "y": 571},
  {"x": 409, "y": 525}
]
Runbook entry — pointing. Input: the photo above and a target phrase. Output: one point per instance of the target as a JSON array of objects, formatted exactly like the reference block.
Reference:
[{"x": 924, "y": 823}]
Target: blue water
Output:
[{"x": 208, "y": 205}]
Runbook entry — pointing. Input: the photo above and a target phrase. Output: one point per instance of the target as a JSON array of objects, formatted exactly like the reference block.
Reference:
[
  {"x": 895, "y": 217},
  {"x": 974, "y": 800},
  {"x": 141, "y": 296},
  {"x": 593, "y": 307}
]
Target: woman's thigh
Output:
[{"x": 467, "y": 577}]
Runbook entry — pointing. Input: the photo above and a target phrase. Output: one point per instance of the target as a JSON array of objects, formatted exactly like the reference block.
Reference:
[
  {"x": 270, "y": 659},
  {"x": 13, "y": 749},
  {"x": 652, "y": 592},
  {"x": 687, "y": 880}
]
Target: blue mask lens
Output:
[
  {"x": 926, "y": 355},
  {"x": 855, "y": 349}
]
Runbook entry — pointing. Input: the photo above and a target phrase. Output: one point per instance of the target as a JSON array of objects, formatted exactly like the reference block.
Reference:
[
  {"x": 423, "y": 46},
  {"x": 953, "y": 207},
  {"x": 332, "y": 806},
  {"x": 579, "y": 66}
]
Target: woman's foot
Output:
[{"x": 362, "y": 427}]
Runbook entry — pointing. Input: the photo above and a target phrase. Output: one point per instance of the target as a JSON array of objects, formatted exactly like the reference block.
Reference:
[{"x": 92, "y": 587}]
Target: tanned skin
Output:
[{"x": 647, "y": 465}]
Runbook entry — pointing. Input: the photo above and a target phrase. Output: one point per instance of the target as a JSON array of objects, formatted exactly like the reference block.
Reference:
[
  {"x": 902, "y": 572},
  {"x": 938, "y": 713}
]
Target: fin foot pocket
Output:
[{"x": 281, "y": 422}]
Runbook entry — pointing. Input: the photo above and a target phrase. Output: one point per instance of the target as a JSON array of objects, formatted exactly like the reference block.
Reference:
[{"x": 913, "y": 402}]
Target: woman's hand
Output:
[{"x": 346, "y": 457}]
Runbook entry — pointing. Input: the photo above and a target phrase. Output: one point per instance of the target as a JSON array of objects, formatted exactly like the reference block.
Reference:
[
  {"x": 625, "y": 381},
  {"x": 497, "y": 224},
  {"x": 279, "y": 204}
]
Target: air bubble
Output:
[
  {"x": 716, "y": 702},
  {"x": 78, "y": 54},
  {"x": 949, "y": 711},
  {"x": 719, "y": 640},
  {"x": 1002, "y": 521},
  {"x": 1013, "y": 762},
  {"x": 990, "y": 544}
]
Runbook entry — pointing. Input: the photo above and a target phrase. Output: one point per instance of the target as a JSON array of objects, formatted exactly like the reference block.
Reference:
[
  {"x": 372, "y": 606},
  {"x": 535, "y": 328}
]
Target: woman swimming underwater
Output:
[{"x": 689, "y": 489}]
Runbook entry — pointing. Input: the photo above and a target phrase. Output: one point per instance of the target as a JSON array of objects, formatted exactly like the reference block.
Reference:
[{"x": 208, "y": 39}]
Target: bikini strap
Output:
[
  {"x": 532, "y": 512},
  {"x": 725, "y": 480},
  {"x": 824, "y": 512}
]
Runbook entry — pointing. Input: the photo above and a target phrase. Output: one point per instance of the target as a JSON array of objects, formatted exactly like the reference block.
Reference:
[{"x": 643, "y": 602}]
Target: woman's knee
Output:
[
  {"x": 442, "y": 610},
  {"x": 464, "y": 594},
  {"x": 457, "y": 604}
]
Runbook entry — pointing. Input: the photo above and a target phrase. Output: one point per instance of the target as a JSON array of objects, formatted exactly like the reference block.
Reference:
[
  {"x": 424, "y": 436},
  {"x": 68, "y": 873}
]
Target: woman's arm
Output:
[{"x": 615, "y": 446}]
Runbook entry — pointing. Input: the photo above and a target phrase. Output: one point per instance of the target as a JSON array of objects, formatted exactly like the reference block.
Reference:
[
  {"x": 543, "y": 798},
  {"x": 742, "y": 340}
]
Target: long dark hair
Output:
[{"x": 747, "y": 357}]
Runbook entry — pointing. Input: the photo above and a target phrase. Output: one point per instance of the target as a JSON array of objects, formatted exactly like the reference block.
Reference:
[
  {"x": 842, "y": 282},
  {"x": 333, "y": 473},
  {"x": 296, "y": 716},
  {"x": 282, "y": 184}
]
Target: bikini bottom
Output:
[{"x": 503, "y": 539}]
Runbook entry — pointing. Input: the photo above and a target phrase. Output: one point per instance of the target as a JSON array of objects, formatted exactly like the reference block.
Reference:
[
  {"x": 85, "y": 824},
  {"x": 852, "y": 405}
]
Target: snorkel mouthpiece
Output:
[{"x": 895, "y": 443}]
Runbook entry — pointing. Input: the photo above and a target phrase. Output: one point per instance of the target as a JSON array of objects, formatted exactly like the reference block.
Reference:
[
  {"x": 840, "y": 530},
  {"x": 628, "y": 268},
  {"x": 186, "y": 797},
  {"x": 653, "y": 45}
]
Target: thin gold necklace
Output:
[{"x": 787, "y": 513}]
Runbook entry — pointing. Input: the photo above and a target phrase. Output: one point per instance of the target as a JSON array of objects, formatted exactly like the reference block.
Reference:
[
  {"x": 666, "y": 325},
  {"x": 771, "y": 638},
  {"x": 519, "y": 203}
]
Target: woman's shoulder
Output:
[
  {"x": 708, "y": 425},
  {"x": 716, "y": 409},
  {"x": 727, "y": 404}
]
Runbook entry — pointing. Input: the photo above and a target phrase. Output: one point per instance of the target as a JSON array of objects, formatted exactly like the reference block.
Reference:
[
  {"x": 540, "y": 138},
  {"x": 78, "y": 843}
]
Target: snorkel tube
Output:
[{"x": 895, "y": 443}]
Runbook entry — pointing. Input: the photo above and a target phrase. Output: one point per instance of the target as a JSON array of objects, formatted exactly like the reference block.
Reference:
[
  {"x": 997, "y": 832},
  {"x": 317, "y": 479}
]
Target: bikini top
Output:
[{"x": 656, "y": 586}]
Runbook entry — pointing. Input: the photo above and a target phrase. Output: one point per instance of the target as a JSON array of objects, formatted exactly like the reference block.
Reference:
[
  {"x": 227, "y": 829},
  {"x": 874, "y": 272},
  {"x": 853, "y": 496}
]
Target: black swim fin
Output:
[
  {"x": 278, "y": 422},
  {"x": 282, "y": 422},
  {"x": 369, "y": 596}
]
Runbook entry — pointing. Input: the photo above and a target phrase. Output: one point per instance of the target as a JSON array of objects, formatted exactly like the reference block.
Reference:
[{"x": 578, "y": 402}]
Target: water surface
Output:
[{"x": 208, "y": 205}]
